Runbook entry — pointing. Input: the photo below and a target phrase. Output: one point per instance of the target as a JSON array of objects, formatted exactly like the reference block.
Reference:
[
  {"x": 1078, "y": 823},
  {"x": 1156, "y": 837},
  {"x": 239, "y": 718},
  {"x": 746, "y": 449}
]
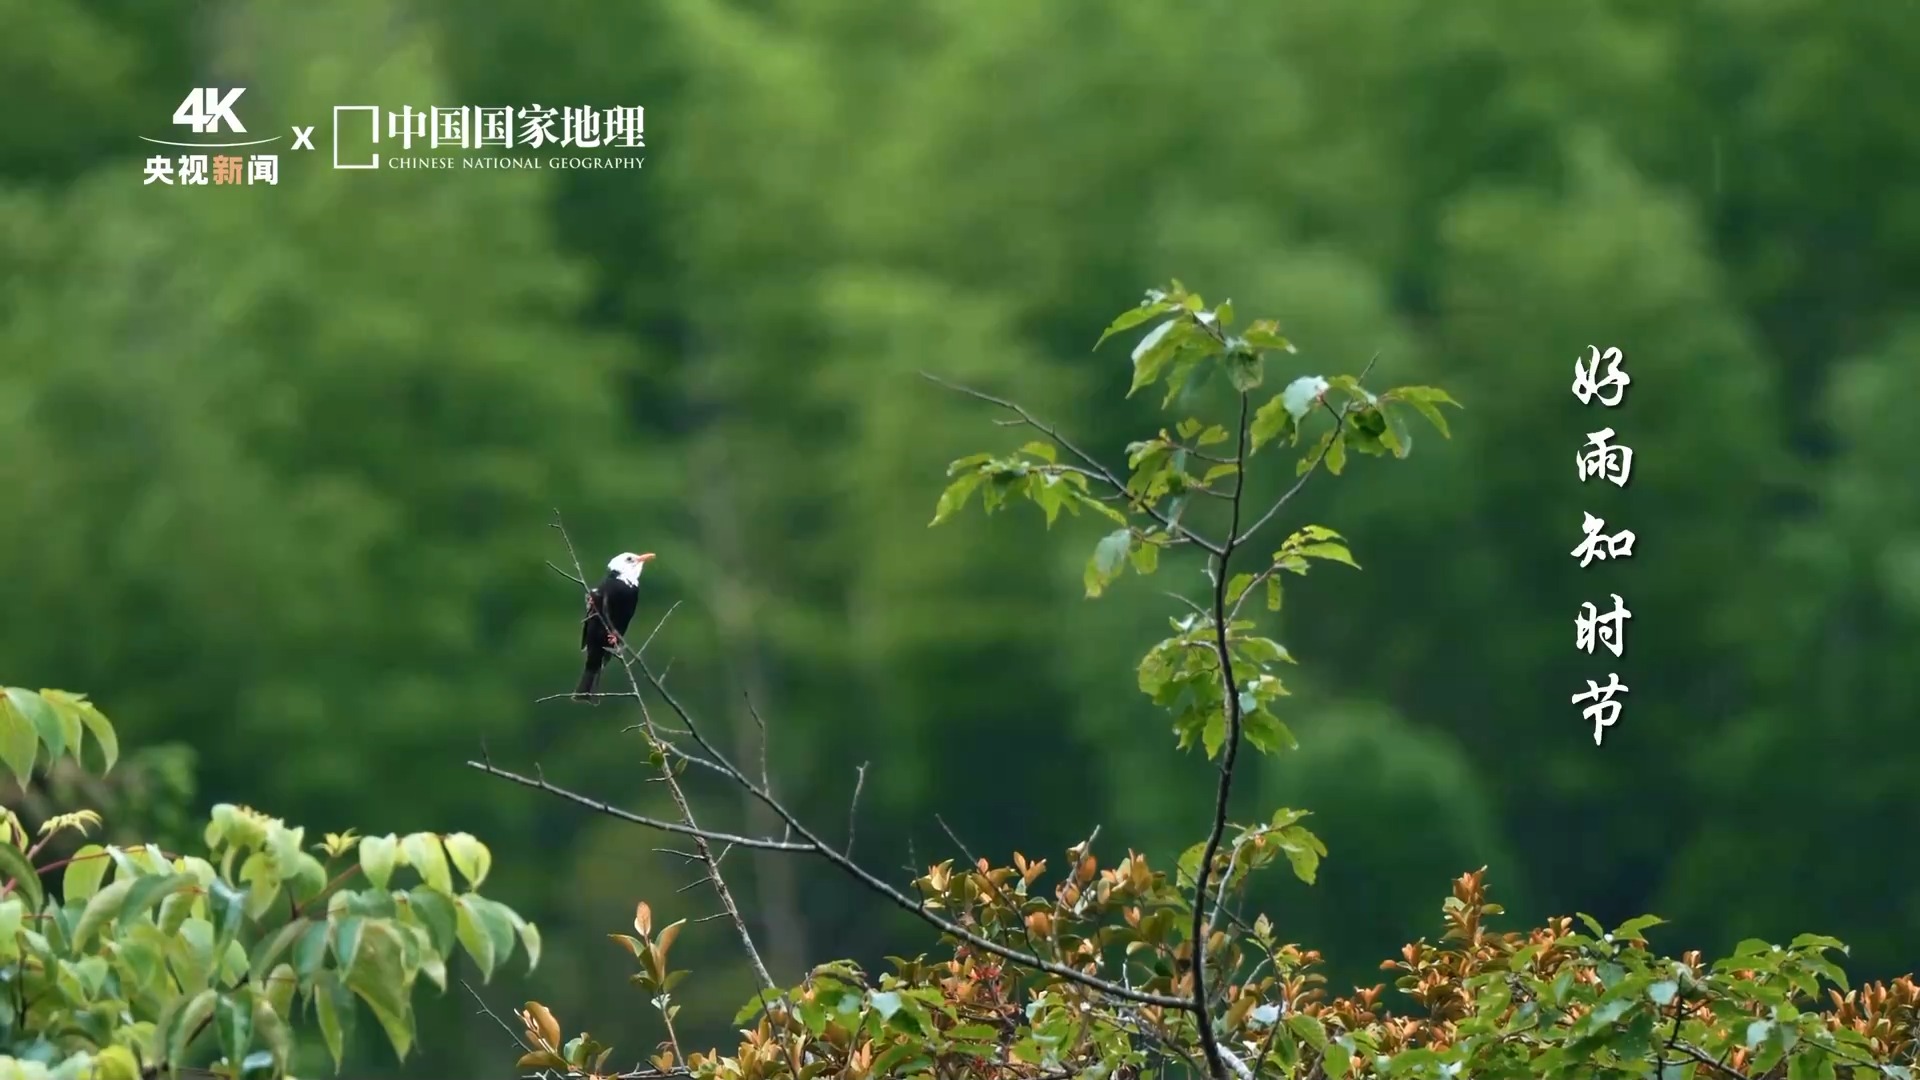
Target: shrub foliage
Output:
[{"x": 119, "y": 962}]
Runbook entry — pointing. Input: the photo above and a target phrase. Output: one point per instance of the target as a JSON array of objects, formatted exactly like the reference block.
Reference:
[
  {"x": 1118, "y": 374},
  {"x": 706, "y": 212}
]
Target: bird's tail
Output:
[{"x": 589, "y": 682}]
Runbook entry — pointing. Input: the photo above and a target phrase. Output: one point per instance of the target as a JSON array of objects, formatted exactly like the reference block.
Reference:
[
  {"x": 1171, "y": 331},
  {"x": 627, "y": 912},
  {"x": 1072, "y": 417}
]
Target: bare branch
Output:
[
  {"x": 861, "y": 874},
  {"x": 957, "y": 842},
  {"x": 628, "y": 658},
  {"x": 671, "y": 608},
  {"x": 570, "y": 577},
  {"x": 853, "y": 804},
  {"x": 541, "y": 783},
  {"x": 487, "y": 1011},
  {"x": 1195, "y": 608}
]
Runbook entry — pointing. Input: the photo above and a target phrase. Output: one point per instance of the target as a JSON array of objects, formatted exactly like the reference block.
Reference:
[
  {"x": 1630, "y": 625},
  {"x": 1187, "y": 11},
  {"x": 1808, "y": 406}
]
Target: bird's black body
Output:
[{"x": 610, "y": 609}]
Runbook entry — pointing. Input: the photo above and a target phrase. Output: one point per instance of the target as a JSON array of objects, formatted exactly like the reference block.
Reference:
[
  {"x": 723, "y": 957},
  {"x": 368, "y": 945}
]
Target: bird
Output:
[{"x": 610, "y": 607}]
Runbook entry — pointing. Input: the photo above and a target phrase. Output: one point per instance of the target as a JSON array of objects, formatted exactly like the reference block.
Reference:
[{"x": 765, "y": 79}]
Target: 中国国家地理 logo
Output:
[{"x": 374, "y": 137}]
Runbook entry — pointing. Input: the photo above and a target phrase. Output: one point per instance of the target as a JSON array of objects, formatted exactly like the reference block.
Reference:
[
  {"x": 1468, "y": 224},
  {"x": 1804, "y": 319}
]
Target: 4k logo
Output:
[{"x": 204, "y": 110}]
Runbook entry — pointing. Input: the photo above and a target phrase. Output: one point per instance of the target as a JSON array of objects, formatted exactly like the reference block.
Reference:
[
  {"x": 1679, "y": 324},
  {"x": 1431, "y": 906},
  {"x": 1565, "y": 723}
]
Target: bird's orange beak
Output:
[{"x": 645, "y": 557}]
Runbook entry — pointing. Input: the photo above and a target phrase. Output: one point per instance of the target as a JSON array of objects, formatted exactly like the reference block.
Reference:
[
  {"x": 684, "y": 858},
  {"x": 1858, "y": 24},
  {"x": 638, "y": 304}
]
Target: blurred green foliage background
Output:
[{"x": 277, "y": 464}]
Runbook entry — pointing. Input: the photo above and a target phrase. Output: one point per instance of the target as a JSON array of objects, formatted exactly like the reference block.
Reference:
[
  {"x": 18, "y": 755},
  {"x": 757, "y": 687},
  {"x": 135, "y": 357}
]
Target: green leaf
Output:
[
  {"x": 116, "y": 1063},
  {"x": 75, "y": 713},
  {"x": 310, "y": 952},
  {"x": 1330, "y": 550},
  {"x": 1111, "y": 549},
  {"x": 1811, "y": 1064},
  {"x": 499, "y": 921},
  {"x": 102, "y": 906},
  {"x": 971, "y": 461},
  {"x": 1273, "y": 593},
  {"x": 270, "y": 948},
  {"x": 227, "y": 906},
  {"x": 331, "y": 1001},
  {"x": 148, "y": 891},
  {"x": 15, "y": 867},
  {"x": 470, "y": 857},
  {"x": 19, "y": 743},
  {"x": 378, "y": 856},
  {"x": 86, "y": 869},
  {"x": 1426, "y": 400},
  {"x": 270, "y": 1025},
  {"x": 186, "y": 1025},
  {"x": 435, "y": 912},
  {"x": 1337, "y": 453},
  {"x": 1270, "y": 422},
  {"x": 1213, "y": 735},
  {"x": 1150, "y": 356},
  {"x": 233, "y": 1025},
  {"x": 262, "y": 877},
  {"x": 1635, "y": 929},
  {"x": 73, "y": 731},
  {"x": 381, "y": 979},
  {"x": 190, "y": 952},
  {"x": 1309, "y": 1030},
  {"x": 1043, "y": 450},
  {"x": 308, "y": 879},
  {"x": 530, "y": 940},
  {"x": 1267, "y": 733},
  {"x": 1145, "y": 558},
  {"x": 347, "y": 931},
  {"x": 955, "y": 497},
  {"x": 102, "y": 731},
  {"x": 1244, "y": 369},
  {"x": 1133, "y": 317},
  {"x": 884, "y": 1003},
  {"x": 426, "y": 854},
  {"x": 46, "y": 723},
  {"x": 1265, "y": 334},
  {"x": 1217, "y": 472},
  {"x": 1304, "y": 851},
  {"x": 1662, "y": 992},
  {"x": 474, "y": 936},
  {"x": 1237, "y": 586},
  {"x": 1104, "y": 566},
  {"x": 1049, "y": 494}
]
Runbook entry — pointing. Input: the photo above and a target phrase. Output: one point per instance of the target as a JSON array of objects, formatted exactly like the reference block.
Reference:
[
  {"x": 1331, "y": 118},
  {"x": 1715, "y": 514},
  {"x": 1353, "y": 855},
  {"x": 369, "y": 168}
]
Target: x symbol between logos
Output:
[{"x": 303, "y": 138}]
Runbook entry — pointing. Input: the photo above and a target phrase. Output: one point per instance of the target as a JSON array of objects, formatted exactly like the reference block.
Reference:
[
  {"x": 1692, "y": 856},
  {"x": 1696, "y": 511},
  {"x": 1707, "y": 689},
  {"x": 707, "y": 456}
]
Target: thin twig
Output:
[
  {"x": 1100, "y": 472},
  {"x": 853, "y": 804},
  {"x": 957, "y": 842},
  {"x": 542, "y": 784},
  {"x": 504, "y": 1026}
]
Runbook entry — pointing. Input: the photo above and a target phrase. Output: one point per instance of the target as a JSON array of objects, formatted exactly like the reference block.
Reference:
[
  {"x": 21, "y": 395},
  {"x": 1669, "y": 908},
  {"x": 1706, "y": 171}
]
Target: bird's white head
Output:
[{"x": 627, "y": 566}]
